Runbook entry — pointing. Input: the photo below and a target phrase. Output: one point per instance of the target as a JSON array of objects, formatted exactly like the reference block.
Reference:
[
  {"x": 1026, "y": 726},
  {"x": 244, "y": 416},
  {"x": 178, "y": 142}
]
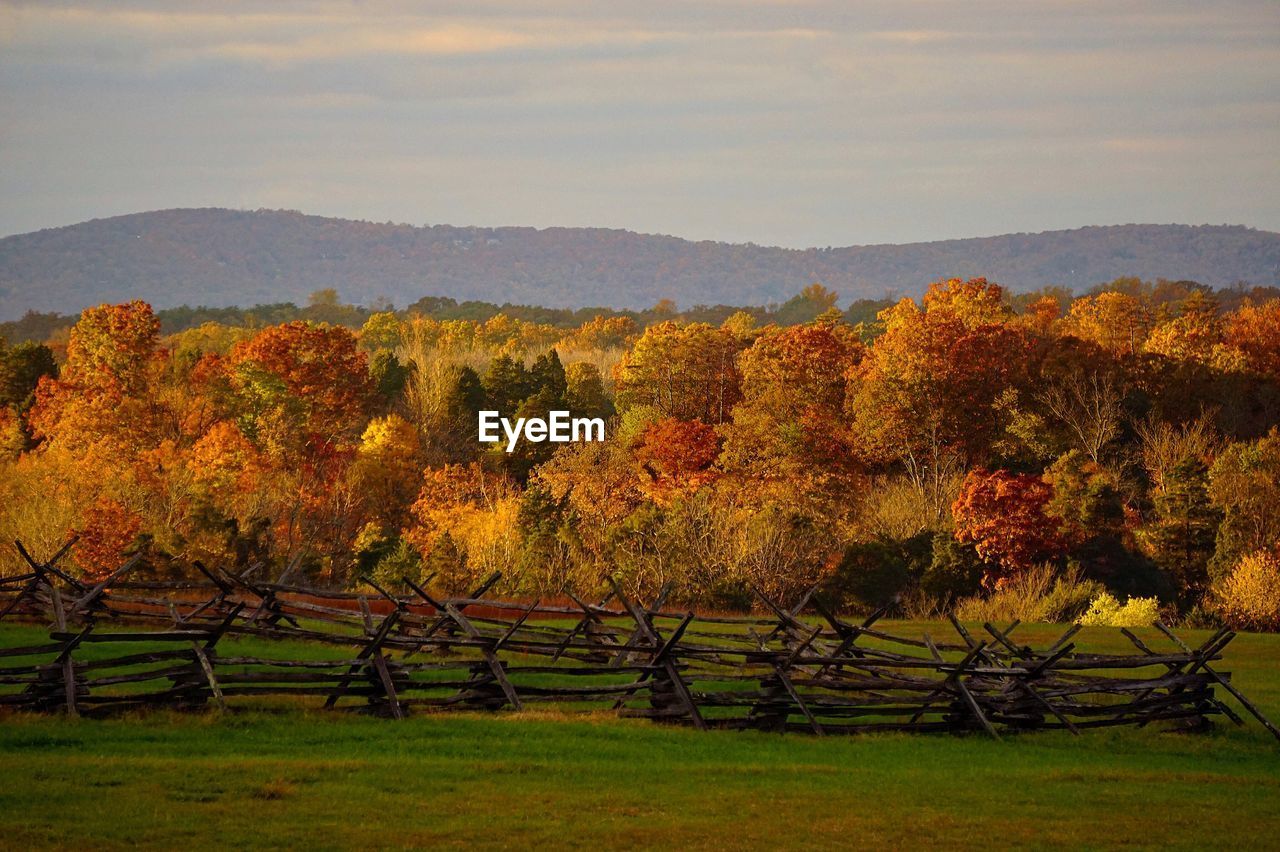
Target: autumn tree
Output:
[
  {"x": 13, "y": 439},
  {"x": 685, "y": 371},
  {"x": 791, "y": 421},
  {"x": 1248, "y": 597},
  {"x": 1244, "y": 483},
  {"x": 107, "y": 528},
  {"x": 467, "y": 517},
  {"x": 1004, "y": 515},
  {"x": 742, "y": 325},
  {"x": 600, "y": 484},
  {"x": 226, "y": 464},
  {"x": 114, "y": 344},
  {"x": 1194, "y": 335},
  {"x": 924, "y": 395},
  {"x": 308, "y": 380},
  {"x": 1254, "y": 331},
  {"x": 976, "y": 302},
  {"x": 301, "y": 393},
  {"x": 106, "y": 390},
  {"x": 1042, "y": 315},
  {"x": 601, "y": 333},
  {"x": 381, "y": 331},
  {"x": 677, "y": 455},
  {"x": 1118, "y": 322},
  {"x": 387, "y": 469}
]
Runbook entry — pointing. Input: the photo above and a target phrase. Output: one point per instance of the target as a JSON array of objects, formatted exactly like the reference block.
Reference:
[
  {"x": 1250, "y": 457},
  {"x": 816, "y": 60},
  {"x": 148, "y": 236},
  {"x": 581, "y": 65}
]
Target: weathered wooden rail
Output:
[{"x": 119, "y": 644}]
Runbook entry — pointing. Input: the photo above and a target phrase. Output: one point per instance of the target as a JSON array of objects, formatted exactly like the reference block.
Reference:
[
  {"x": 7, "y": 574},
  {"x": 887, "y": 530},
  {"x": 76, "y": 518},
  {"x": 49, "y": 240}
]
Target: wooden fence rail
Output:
[{"x": 120, "y": 644}]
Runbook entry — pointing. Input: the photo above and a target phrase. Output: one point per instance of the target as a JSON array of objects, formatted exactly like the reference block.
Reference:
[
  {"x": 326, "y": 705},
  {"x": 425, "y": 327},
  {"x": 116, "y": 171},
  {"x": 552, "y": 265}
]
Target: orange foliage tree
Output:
[
  {"x": 924, "y": 395},
  {"x": 791, "y": 421},
  {"x": 677, "y": 454},
  {"x": 1193, "y": 335},
  {"x": 314, "y": 378},
  {"x": 1118, "y": 322},
  {"x": 447, "y": 494},
  {"x": 1254, "y": 330},
  {"x": 975, "y": 302},
  {"x": 685, "y": 371},
  {"x": 106, "y": 391},
  {"x": 106, "y": 529}
]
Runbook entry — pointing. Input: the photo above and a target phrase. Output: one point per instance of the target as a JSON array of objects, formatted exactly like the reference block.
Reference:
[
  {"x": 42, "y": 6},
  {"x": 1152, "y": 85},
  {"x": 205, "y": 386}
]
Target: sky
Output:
[{"x": 779, "y": 122}]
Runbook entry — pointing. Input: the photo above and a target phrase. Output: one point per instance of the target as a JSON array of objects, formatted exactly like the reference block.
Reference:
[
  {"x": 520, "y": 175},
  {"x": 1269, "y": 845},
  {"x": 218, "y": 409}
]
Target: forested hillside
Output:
[{"x": 224, "y": 257}]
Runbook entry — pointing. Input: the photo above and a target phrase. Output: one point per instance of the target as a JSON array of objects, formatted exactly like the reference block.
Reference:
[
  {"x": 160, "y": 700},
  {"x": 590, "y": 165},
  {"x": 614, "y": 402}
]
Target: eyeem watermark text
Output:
[{"x": 559, "y": 427}]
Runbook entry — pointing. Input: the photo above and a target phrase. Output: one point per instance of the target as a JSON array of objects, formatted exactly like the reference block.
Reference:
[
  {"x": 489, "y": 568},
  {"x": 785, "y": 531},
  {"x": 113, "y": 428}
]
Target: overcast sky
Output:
[{"x": 788, "y": 123}]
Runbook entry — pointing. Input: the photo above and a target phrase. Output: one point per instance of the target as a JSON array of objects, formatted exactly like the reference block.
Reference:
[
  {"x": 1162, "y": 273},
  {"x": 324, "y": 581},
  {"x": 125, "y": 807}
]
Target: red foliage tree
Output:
[
  {"x": 678, "y": 454},
  {"x": 315, "y": 371},
  {"x": 1003, "y": 515},
  {"x": 107, "y": 527}
]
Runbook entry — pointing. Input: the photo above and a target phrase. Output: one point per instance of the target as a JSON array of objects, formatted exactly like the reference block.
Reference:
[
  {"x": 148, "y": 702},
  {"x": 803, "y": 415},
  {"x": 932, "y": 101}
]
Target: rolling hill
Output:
[{"x": 220, "y": 257}]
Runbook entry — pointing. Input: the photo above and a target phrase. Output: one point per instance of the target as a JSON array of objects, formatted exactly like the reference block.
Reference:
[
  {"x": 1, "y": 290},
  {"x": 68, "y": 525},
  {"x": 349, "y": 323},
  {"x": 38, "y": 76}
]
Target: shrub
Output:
[
  {"x": 1106, "y": 611},
  {"x": 1040, "y": 594},
  {"x": 954, "y": 571},
  {"x": 1202, "y": 616},
  {"x": 875, "y": 573},
  {"x": 1249, "y": 597}
]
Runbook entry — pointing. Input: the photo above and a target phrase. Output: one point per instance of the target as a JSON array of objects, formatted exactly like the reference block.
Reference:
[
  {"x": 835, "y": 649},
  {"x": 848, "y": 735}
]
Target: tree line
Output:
[{"x": 972, "y": 450}]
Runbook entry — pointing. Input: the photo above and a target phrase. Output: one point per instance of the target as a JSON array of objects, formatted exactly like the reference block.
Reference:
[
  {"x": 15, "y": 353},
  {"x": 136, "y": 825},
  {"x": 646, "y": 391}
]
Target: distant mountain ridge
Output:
[{"x": 219, "y": 257}]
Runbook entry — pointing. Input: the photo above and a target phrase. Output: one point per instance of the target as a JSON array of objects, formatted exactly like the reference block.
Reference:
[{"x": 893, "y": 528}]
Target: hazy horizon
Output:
[
  {"x": 499, "y": 226},
  {"x": 794, "y": 124}
]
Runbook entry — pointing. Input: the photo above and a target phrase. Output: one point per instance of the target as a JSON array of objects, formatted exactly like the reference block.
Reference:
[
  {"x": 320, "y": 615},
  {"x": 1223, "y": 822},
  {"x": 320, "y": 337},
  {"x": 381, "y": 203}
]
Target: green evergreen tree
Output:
[
  {"x": 389, "y": 377},
  {"x": 470, "y": 392},
  {"x": 547, "y": 374},
  {"x": 21, "y": 368},
  {"x": 1181, "y": 538},
  {"x": 506, "y": 384},
  {"x": 955, "y": 570},
  {"x": 529, "y": 454}
]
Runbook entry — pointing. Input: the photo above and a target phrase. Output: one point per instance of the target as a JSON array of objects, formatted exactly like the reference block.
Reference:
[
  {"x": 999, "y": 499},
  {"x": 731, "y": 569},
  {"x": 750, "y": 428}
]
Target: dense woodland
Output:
[{"x": 1038, "y": 455}]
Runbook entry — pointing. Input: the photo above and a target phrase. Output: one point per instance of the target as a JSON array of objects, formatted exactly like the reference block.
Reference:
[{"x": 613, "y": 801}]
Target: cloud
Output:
[
  {"x": 916, "y": 36},
  {"x": 807, "y": 122}
]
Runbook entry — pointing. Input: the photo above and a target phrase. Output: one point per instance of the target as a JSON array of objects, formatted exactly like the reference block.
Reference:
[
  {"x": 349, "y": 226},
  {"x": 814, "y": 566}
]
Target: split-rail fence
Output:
[{"x": 121, "y": 644}]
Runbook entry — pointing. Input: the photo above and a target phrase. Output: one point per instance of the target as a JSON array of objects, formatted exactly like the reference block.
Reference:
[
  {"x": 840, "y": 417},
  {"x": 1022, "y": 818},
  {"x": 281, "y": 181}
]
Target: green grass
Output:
[{"x": 278, "y": 775}]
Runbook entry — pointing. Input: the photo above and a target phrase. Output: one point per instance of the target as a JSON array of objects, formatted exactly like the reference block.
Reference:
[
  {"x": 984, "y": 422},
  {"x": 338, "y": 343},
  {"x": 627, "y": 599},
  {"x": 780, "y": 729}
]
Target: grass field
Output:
[{"x": 278, "y": 775}]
